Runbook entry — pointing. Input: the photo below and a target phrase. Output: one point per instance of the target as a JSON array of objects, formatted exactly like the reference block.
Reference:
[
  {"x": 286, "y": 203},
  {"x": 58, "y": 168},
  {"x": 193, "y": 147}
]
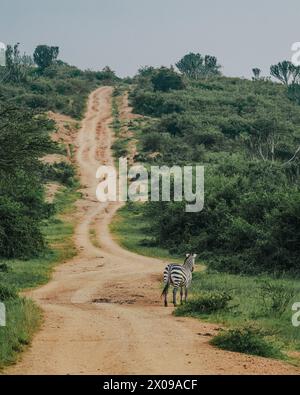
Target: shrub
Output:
[
  {"x": 4, "y": 268},
  {"x": 7, "y": 293},
  {"x": 275, "y": 297},
  {"x": 248, "y": 341},
  {"x": 120, "y": 148},
  {"x": 37, "y": 101},
  {"x": 165, "y": 79},
  {"x": 20, "y": 236},
  {"x": 62, "y": 172},
  {"x": 205, "y": 303}
]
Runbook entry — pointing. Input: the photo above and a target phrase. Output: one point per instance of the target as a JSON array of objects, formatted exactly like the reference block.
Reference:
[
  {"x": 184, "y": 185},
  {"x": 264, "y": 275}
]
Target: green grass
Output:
[
  {"x": 23, "y": 316},
  {"x": 248, "y": 341},
  {"x": 231, "y": 300},
  {"x": 250, "y": 303},
  {"x": 23, "y": 319},
  {"x": 129, "y": 230}
]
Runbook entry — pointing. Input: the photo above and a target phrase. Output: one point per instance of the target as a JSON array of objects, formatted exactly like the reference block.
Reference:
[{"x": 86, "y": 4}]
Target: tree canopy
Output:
[
  {"x": 195, "y": 66},
  {"x": 44, "y": 56}
]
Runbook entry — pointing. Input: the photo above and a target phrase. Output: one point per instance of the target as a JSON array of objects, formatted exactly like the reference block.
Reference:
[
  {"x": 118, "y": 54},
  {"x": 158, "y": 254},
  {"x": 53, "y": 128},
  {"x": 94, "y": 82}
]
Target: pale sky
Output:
[{"x": 127, "y": 34}]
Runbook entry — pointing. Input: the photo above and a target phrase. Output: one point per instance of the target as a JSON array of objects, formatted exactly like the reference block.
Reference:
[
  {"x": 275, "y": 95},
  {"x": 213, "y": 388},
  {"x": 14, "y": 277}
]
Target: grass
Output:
[
  {"x": 233, "y": 301},
  {"x": 248, "y": 341},
  {"x": 23, "y": 316},
  {"x": 129, "y": 230},
  {"x": 249, "y": 303}
]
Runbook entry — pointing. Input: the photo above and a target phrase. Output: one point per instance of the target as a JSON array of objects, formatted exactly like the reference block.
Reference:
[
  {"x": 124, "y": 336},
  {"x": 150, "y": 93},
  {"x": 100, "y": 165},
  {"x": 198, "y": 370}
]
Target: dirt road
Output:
[{"x": 103, "y": 313}]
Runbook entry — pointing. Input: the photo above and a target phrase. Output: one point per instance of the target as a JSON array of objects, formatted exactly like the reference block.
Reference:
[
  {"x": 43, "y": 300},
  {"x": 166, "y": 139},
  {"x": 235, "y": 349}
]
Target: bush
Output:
[
  {"x": 165, "y": 79},
  {"x": 20, "y": 236},
  {"x": 205, "y": 303},
  {"x": 7, "y": 293},
  {"x": 62, "y": 172},
  {"x": 120, "y": 148},
  {"x": 248, "y": 341},
  {"x": 4, "y": 268},
  {"x": 276, "y": 297},
  {"x": 37, "y": 101}
]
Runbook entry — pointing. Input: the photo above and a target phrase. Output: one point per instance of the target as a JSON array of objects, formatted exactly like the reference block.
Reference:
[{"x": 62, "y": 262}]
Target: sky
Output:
[{"x": 128, "y": 34}]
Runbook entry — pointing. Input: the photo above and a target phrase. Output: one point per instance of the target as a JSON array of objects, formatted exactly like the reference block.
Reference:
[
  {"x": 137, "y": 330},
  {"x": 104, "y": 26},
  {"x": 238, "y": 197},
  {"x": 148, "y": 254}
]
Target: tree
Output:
[
  {"x": 44, "y": 56},
  {"x": 108, "y": 73},
  {"x": 211, "y": 66},
  {"x": 286, "y": 72},
  {"x": 165, "y": 79},
  {"x": 256, "y": 74},
  {"x": 24, "y": 139},
  {"x": 146, "y": 71},
  {"x": 196, "y": 66},
  {"x": 191, "y": 65},
  {"x": 15, "y": 66}
]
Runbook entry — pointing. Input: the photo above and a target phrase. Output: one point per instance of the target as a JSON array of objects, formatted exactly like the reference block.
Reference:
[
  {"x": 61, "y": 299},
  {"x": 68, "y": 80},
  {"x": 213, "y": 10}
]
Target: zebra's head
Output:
[{"x": 190, "y": 261}]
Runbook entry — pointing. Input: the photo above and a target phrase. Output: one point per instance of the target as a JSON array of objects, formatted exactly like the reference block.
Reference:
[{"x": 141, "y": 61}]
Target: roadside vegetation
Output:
[
  {"x": 248, "y": 305},
  {"x": 35, "y": 234},
  {"x": 246, "y": 134},
  {"x": 23, "y": 316}
]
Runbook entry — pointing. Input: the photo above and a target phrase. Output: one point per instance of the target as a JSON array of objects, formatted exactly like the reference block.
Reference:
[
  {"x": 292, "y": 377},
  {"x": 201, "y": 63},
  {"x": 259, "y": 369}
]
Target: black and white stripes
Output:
[{"x": 179, "y": 276}]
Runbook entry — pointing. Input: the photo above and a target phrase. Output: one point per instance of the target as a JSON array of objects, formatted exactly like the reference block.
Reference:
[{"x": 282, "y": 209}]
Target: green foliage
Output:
[
  {"x": 250, "y": 301},
  {"x": 293, "y": 92},
  {"x": 165, "y": 79},
  {"x": 62, "y": 172},
  {"x": 16, "y": 65},
  {"x": 23, "y": 318},
  {"x": 256, "y": 74},
  {"x": 54, "y": 85},
  {"x": 23, "y": 140},
  {"x": 120, "y": 148},
  {"x": 205, "y": 303},
  {"x": 27, "y": 225},
  {"x": 44, "y": 56},
  {"x": 7, "y": 293},
  {"x": 248, "y": 341},
  {"x": 196, "y": 66},
  {"x": 246, "y": 134},
  {"x": 276, "y": 297},
  {"x": 20, "y": 235},
  {"x": 286, "y": 72}
]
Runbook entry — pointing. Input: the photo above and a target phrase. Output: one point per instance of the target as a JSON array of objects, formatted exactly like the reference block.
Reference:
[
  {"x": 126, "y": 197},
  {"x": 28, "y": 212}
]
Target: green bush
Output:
[
  {"x": 7, "y": 293},
  {"x": 205, "y": 303},
  {"x": 248, "y": 341},
  {"x": 246, "y": 135},
  {"x": 165, "y": 79},
  {"x": 275, "y": 297},
  {"x": 62, "y": 172},
  {"x": 20, "y": 236},
  {"x": 120, "y": 148}
]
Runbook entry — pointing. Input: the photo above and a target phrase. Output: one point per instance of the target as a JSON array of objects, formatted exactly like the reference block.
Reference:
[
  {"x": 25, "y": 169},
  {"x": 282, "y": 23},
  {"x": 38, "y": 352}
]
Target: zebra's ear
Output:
[
  {"x": 187, "y": 255},
  {"x": 195, "y": 255}
]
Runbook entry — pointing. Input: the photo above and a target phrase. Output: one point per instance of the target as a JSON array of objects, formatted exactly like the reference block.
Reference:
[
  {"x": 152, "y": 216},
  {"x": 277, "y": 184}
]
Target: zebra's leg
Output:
[
  {"x": 174, "y": 296},
  {"x": 181, "y": 295},
  {"x": 186, "y": 294}
]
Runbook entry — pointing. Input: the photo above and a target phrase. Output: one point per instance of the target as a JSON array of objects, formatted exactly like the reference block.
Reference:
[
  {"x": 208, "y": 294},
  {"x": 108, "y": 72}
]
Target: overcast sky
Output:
[{"x": 127, "y": 34}]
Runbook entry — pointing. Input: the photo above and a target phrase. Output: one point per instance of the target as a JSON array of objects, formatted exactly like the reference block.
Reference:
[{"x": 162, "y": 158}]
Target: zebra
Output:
[{"x": 179, "y": 276}]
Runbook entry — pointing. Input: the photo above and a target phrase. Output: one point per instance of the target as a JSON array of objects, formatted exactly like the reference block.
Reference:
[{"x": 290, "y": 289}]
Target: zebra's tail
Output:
[
  {"x": 165, "y": 290},
  {"x": 167, "y": 285}
]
